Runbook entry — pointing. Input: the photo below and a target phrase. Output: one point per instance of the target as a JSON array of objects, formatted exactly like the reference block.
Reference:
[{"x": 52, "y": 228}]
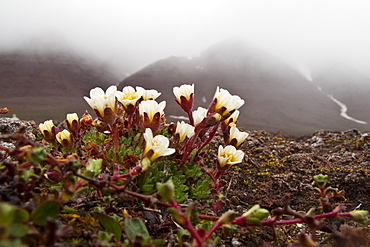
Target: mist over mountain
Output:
[
  {"x": 47, "y": 84},
  {"x": 277, "y": 97}
]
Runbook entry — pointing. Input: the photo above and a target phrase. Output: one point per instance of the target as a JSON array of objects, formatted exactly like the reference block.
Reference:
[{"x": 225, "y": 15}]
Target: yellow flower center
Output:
[
  {"x": 230, "y": 157},
  {"x": 130, "y": 96}
]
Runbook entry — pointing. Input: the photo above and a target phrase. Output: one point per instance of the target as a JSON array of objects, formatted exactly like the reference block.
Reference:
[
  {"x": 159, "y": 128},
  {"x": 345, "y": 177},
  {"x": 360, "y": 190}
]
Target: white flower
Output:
[
  {"x": 184, "y": 90},
  {"x": 46, "y": 126},
  {"x": 128, "y": 96},
  {"x": 65, "y": 139},
  {"x": 158, "y": 145},
  {"x": 73, "y": 123},
  {"x": 151, "y": 94},
  {"x": 100, "y": 101},
  {"x": 151, "y": 107},
  {"x": 226, "y": 100},
  {"x": 184, "y": 130},
  {"x": 63, "y": 135},
  {"x": 229, "y": 155},
  {"x": 239, "y": 136},
  {"x": 199, "y": 115},
  {"x": 71, "y": 117},
  {"x": 231, "y": 121}
]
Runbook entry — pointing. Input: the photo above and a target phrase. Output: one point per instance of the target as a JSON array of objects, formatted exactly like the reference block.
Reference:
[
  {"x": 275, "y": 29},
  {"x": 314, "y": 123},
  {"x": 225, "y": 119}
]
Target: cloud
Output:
[{"x": 143, "y": 31}]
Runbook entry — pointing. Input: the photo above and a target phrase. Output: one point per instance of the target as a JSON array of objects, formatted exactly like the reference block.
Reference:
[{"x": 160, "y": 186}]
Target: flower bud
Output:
[
  {"x": 236, "y": 137},
  {"x": 49, "y": 131},
  {"x": 86, "y": 121},
  {"x": 93, "y": 167},
  {"x": 166, "y": 190},
  {"x": 360, "y": 216},
  {"x": 65, "y": 139},
  {"x": 257, "y": 212},
  {"x": 73, "y": 123},
  {"x": 176, "y": 215},
  {"x": 227, "y": 217},
  {"x": 53, "y": 175},
  {"x": 185, "y": 96}
]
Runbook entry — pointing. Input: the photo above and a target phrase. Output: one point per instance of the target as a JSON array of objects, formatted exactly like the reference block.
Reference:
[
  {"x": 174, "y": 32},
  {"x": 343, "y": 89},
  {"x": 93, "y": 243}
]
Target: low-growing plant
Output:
[{"x": 129, "y": 155}]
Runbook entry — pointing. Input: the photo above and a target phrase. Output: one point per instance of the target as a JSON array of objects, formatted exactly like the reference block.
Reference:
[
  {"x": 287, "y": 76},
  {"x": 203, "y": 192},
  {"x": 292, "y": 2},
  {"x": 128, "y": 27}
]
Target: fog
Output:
[{"x": 132, "y": 34}]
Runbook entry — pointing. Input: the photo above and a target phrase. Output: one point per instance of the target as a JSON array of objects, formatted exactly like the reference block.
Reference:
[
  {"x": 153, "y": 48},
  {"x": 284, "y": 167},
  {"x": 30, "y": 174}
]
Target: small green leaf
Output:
[
  {"x": 109, "y": 224},
  {"x": 254, "y": 221},
  {"x": 17, "y": 229},
  {"x": 36, "y": 155},
  {"x": 176, "y": 215},
  {"x": 166, "y": 190},
  {"x": 93, "y": 167},
  {"x": 43, "y": 211},
  {"x": 21, "y": 215},
  {"x": 7, "y": 213},
  {"x": 135, "y": 226}
]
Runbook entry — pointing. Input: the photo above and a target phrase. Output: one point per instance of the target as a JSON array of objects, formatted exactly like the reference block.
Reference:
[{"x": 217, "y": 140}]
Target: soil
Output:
[{"x": 276, "y": 169}]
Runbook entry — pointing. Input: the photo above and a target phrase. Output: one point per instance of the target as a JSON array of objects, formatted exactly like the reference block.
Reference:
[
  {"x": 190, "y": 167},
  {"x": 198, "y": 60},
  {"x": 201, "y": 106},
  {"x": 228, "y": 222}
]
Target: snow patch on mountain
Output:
[{"x": 343, "y": 107}]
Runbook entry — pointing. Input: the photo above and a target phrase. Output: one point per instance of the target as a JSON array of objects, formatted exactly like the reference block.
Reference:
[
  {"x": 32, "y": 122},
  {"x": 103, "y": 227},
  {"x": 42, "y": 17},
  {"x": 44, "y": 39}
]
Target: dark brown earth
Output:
[{"x": 276, "y": 167}]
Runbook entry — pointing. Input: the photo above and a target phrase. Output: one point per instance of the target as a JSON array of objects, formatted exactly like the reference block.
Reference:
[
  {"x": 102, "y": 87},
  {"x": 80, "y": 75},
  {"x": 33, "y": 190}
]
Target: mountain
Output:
[
  {"x": 346, "y": 85},
  {"x": 41, "y": 85},
  {"x": 277, "y": 97}
]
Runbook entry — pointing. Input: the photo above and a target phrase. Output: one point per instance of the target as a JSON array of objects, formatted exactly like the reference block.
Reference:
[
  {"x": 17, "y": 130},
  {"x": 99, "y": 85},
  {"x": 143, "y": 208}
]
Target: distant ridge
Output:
[
  {"x": 39, "y": 84},
  {"x": 278, "y": 97}
]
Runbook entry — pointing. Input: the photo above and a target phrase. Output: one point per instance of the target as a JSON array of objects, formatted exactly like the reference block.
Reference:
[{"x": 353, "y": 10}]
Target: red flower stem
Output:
[
  {"x": 214, "y": 179},
  {"x": 189, "y": 145},
  {"x": 148, "y": 199},
  {"x": 241, "y": 220},
  {"x": 187, "y": 224},
  {"x": 210, "y": 137},
  {"x": 215, "y": 226},
  {"x": 191, "y": 119},
  {"x": 115, "y": 137}
]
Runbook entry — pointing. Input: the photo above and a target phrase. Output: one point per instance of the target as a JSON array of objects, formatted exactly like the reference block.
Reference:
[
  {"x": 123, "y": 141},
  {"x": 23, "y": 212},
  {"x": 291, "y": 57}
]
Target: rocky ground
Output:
[{"x": 277, "y": 167}]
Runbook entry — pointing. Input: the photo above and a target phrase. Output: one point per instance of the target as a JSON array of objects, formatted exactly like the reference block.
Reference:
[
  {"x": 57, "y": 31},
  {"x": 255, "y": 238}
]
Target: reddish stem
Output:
[
  {"x": 241, "y": 220},
  {"x": 210, "y": 137},
  {"x": 187, "y": 224}
]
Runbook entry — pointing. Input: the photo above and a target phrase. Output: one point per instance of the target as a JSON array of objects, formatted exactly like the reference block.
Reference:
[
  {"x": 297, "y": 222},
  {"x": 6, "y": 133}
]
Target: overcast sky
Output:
[{"x": 140, "y": 32}]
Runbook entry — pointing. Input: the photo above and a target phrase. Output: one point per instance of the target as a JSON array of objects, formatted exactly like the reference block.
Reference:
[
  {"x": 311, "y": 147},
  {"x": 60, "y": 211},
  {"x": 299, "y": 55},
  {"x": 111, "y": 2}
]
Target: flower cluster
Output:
[
  {"x": 223, "y": 111},
  {"x": 137, "y": 109}
]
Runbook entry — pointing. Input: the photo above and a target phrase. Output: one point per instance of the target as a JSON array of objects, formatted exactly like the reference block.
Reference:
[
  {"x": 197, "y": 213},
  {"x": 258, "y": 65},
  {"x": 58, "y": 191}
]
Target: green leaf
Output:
[
  {"x": 21, "y": 215},
  {"x": 43, "y": 211},
  {"x": 109, "y": 224},
  {"x": 135, "y": 226},
  {"x": 36, "y": 155},
  {"x": 7, "y": 213},
  {"x": 17, "y": 229},
  {"x": 93, "y": 167},
  {"x": 166, "y": 190},
  {"x": 201, "y": 189}
]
